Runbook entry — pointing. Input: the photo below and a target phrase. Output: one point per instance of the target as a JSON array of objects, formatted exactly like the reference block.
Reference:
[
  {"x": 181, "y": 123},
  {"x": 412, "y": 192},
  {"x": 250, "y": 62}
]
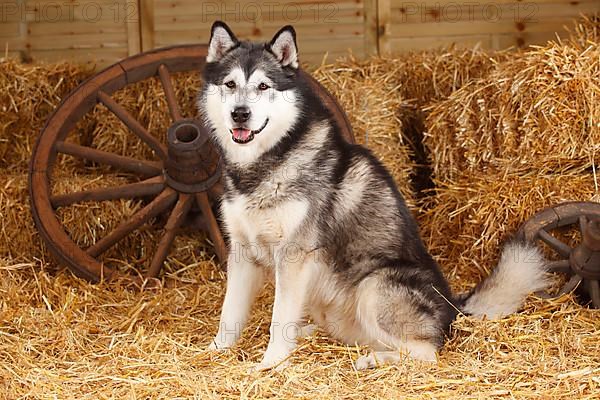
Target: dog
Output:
[{"x": 325, "y": 219}]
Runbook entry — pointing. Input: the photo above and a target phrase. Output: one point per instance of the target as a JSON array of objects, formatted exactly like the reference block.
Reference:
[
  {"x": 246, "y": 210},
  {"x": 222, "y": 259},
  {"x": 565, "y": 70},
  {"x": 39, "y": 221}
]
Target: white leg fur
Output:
[
  {"x": 292, "y": 283},
  {"x": 244, "y": 280}
]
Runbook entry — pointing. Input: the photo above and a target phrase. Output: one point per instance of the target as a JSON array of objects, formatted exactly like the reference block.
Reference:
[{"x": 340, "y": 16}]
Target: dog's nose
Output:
[{"x": 240, "y": 114}]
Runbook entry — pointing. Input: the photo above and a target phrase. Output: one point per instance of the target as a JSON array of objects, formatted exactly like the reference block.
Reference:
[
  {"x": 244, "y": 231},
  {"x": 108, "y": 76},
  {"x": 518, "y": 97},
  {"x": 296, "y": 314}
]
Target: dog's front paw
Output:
[{"x": 273, "y": 360}]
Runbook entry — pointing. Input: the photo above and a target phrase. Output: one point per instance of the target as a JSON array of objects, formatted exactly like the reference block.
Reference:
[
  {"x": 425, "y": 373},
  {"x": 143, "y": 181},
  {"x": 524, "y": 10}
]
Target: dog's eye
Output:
[
  {"x": 263, "y": 86},
  {"x": 230, "y": 84}
]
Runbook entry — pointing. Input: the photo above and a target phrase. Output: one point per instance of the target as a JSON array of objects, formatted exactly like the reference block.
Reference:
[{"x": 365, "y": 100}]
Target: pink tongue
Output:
[{"x": 241, "y": 134}]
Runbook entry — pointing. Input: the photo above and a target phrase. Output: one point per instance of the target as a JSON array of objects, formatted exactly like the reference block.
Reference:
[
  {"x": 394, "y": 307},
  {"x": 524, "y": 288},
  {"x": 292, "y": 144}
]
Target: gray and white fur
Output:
[{"x": 326, "y": 220}]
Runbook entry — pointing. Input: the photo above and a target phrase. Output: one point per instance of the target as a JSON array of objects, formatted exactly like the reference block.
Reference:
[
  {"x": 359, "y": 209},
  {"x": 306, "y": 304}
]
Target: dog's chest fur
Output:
[
  {"x": 267, "y": 205},
  {"x": 264, "y": 221}
]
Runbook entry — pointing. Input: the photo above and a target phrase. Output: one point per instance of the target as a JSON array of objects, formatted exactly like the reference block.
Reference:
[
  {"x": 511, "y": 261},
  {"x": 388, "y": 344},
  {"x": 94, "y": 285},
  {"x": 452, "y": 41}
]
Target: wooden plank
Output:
[
  {"x": 147, "y": 18},
  {"x": 280, "y": 12},
  {"x": 15, "y": 43},
  {"x": 10, "y": 29},
  {"x": 10, "y": 11},
  {"x": 398, "y": 45},
  {"x": 523, "y": 39},
  {"x": 468, "y": 3},
  {"x": 307, "y": 30},
  {"x": 433, "y": 29},
  {"x": 84, "y": 41},
  {"x": 490, "y": 12},
  {"x": 74, "y": 28},
  {"x": 305, "y": 44},
  {"x": 98, "y": 57},
  {"x": 190, "y": 22},
  {"x": 68, "y": 11}
]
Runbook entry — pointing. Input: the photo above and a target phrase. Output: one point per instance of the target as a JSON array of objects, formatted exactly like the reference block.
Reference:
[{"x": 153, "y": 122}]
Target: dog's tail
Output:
[{"x": 521, "y": 271}]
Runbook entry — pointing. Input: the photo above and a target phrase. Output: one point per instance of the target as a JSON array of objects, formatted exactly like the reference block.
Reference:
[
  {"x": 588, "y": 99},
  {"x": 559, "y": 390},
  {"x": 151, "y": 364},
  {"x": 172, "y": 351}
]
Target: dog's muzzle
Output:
[{"x": 243, "y": 135}]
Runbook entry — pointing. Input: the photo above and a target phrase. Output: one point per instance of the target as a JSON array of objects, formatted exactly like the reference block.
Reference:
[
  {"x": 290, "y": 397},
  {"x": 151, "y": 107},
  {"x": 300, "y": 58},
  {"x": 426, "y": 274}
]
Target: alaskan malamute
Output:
[{"x": 325, "y": 218}]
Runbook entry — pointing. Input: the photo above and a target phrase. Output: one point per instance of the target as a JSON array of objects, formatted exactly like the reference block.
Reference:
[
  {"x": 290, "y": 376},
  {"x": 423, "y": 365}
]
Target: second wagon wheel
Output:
[
  {"x": 581, "y": 261},
  {"x": 174, "y": 185}
]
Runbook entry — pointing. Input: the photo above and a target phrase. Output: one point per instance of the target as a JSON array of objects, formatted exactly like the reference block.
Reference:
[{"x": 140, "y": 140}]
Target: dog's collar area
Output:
[{"x": 250, "y": 136}]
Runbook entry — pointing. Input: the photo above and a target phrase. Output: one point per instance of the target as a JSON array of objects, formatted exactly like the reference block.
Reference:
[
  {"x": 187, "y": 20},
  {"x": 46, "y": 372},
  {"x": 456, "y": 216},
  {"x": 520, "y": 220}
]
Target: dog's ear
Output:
[
  {"x": 221, "y": 41},
  {"x": 283, "y": 45}
]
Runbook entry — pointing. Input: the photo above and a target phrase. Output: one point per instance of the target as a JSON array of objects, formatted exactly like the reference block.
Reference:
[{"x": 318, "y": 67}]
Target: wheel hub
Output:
[
  {"x": 192, "y": 165},
  {"x": 585, "y": 258}
]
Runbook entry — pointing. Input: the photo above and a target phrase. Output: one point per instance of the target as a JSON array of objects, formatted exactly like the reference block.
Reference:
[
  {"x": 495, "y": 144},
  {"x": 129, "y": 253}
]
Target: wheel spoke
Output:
[
  {"x": 556, "y": 244},
  {"x": 213, "y": 227},
  {"x": 175, "y": 219},
  {"x": 163, "y": 201},
  {"x": 559, "y": 266},
  {"x": 595, "y": 293},
  {"x": 145, "y": 168},
  {"x": 582, "y": 223},
  {"x": 570, "y": 285},
  {"x": 133, "y": 124},
  {"x": 165, "y": 79},
  {"x": 148, "y": 187}
]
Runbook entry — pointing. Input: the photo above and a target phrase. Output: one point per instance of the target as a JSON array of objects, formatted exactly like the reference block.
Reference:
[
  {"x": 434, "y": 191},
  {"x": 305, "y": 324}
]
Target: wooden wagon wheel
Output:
[
  {"x": 186, "y": 172},
  {"x": 581, "y": 263}
]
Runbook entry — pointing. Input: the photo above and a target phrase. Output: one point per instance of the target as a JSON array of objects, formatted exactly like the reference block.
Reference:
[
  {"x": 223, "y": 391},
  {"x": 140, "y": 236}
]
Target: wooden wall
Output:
[
  {"x": 99, "y": 31},
  {"x": 498, "y": 24},
  {"x": 321, "y": 26},
  {"x": 104, "y": 31}
]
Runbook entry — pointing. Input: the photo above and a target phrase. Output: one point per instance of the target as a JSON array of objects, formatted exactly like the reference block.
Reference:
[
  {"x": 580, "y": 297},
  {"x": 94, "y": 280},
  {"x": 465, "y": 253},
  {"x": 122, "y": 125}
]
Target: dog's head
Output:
[{"x": 249, "y": 97}]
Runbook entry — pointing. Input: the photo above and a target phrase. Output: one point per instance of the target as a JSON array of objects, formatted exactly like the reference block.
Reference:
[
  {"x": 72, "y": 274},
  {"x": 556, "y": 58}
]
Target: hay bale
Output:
[
  {"x": 29, "y": 94},
  {"x": 539, "y": 110},
  {"x": 466, "y": 220},
  {"x": 586, "y": 30},
  {"x": 429, "y": 76},
  {"x": 423, "y": 77},
  {"x": 19, "y": 238},
  {"x": 384, "y": 96}
]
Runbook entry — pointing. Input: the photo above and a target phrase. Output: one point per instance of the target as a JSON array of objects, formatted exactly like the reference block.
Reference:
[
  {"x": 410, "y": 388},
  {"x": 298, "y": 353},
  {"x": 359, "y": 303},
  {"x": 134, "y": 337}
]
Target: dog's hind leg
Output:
[
  {"x": 244, "y": 280},
  {"x": 395, "y": 321}
]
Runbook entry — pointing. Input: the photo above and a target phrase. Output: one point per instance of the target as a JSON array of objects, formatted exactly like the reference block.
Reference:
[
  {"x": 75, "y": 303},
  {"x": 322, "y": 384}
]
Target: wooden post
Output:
[
  {"x": 384, "y": 12},
  {"x": 371, "y": 27},
  {"x": 146, "y": 12},
  {"x": 132, "y": 26}
]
